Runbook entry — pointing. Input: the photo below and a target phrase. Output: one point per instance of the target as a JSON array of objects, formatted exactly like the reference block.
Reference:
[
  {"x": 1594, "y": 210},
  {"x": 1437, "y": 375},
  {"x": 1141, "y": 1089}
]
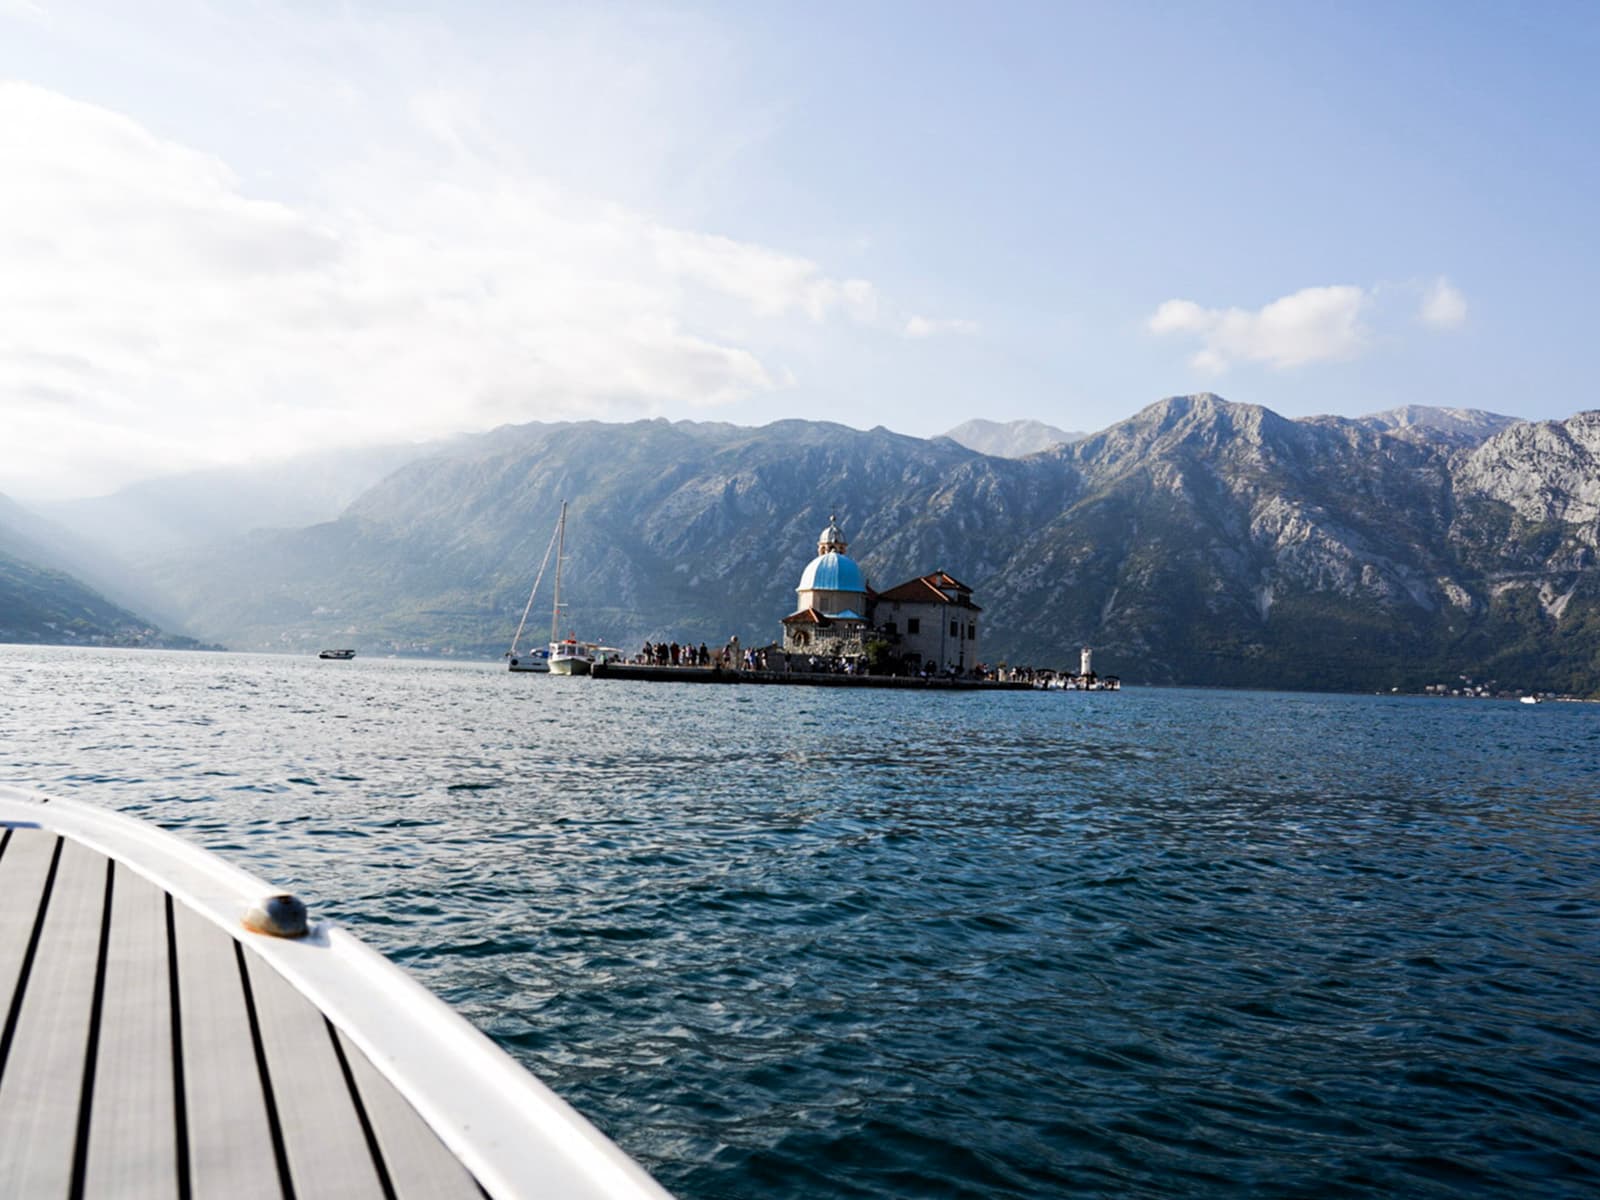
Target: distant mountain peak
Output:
[
  {"x": 1468, "y": 424},
  {"x": 1179, "y": 419},
  {"x": 1009, "y": 439},
  {"x": 1200, "y": 406}
]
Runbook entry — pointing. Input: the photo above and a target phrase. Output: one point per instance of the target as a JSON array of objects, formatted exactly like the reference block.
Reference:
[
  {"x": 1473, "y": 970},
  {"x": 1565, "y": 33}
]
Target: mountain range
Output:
[{"x": 1199, "y": 541}]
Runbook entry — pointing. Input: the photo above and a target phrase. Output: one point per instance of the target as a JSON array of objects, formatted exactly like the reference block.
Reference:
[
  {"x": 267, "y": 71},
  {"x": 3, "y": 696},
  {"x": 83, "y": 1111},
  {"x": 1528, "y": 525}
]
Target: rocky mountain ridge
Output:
[{"x": 1199, "y": 541}]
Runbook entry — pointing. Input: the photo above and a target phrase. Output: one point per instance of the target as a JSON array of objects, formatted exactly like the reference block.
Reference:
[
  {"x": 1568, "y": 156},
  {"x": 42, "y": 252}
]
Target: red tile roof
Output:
[
  {"x": 932, "y": 589},
  {"x": 806, "y": 616}
]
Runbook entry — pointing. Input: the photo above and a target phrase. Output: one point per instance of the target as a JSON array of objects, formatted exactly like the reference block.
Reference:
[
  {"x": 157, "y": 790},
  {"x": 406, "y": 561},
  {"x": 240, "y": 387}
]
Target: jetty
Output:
[{"x": 932, "y": 683}]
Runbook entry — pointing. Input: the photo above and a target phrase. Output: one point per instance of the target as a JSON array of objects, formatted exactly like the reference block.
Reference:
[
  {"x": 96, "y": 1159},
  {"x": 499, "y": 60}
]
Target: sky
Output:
[{"x": 242, "y": 230}]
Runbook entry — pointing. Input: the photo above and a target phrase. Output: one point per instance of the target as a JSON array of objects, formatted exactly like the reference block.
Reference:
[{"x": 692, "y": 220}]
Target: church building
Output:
[
  {"x": 831, "y": 618},
  {"x": 928, "y": 623}
]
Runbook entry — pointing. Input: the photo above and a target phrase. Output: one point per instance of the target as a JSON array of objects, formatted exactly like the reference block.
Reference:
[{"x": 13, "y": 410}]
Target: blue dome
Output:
[{"x": 833, "y": 573}]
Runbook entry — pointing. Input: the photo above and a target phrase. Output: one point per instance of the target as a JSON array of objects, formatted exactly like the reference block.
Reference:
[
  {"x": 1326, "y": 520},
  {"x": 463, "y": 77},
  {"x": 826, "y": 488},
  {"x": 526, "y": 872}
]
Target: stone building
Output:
[
  {"x": 928, "y": 623},
  {"x": 930, "y": 619},
  {"x": 831, "y": 617}
]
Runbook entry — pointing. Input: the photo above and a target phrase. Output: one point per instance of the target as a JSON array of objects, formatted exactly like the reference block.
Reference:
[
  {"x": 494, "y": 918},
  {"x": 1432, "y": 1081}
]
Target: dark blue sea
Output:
[{"x": 819, "y": 943}]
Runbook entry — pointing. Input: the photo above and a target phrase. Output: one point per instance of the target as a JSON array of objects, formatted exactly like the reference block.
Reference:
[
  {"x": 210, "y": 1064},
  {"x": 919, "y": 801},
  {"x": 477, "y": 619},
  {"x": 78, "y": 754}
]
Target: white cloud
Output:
[
  {"x": 156, "y": 313},
  {"x": 1317, "y": 324},
  {"x": 772, "y": 283},
  {"x": 926, "y": 327},
  {"x": 1443, "y": 305}
]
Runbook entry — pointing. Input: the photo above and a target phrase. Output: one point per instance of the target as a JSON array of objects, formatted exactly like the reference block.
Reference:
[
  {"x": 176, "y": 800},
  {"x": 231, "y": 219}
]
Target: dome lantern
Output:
[{"x": 832, "y": 539}]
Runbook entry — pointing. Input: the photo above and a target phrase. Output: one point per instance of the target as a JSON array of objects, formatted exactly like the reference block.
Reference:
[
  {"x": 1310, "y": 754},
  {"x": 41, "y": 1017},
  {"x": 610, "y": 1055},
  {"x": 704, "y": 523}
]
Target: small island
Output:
[{"x": 922, "y": 633}]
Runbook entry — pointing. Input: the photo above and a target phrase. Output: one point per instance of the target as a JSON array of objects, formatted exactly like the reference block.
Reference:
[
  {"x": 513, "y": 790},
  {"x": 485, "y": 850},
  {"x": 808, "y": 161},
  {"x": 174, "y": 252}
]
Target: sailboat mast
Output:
[
  {"x": 528, "y": 607},
  {"x": 561, "y": 549}
]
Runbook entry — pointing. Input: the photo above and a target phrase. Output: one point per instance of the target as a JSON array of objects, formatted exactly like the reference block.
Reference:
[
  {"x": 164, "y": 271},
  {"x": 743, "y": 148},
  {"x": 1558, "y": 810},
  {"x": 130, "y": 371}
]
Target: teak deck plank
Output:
[
  {"x": 419, "y": 1164},
  {"x": 133, "y": 1130},
  {"x": 23, "y": 868},
  {"x": 44, "y": 1072},
  {"x": 230, "y": 1138},
  {"x": 327, "y": 1148}
]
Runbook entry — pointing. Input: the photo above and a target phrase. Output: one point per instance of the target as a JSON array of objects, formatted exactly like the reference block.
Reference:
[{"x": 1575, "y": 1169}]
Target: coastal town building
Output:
[
  {"x": 929, "y": 623},
  {"x": 931, "y": 619}
]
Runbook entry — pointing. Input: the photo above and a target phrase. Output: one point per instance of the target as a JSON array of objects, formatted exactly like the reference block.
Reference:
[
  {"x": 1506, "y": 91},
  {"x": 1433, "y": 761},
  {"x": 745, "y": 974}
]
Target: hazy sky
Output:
[{"x": 247, "y": 228}]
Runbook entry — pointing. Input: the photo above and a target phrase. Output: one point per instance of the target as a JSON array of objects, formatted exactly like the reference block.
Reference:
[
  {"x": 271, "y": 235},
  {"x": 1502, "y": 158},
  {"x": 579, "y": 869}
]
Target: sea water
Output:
[{"x": 814, "y": 943}]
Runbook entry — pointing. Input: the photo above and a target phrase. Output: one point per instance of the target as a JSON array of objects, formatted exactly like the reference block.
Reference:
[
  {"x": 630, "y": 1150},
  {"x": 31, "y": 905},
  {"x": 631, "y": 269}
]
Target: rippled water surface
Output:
[{"x": 791, "y": 942}]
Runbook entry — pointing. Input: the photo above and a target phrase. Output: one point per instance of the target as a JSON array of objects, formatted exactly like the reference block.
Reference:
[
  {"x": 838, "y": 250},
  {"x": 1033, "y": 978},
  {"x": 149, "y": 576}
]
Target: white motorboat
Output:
[{"x": 570, "y": 657}]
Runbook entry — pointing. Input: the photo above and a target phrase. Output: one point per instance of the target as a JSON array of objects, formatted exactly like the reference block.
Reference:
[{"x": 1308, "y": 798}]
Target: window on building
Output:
[
  {"x": 955, "y": 629},
  {"x": 913, "y": 624},
  {"x": 889, "y": 628},
  {"x": 972, "y": 631}
]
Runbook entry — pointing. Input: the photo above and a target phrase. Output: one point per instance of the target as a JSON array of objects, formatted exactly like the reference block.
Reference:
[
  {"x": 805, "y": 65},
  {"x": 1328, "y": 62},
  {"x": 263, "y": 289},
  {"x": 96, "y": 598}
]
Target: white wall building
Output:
[{"x": 934, "y": 619}]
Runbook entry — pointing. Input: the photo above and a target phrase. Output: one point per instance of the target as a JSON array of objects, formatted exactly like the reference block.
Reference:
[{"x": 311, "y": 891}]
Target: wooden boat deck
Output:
[
  {"x": 151, "y": 1050},
  {"x": 147, "y": 1053}
]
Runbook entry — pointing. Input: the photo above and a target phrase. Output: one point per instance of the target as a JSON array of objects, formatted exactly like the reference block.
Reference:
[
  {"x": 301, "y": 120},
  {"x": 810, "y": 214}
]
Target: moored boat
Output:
[
  {"x": 570, "y": 657},
  {"x": 339, "y": 654},
  {"x": 537, "y": 659}
]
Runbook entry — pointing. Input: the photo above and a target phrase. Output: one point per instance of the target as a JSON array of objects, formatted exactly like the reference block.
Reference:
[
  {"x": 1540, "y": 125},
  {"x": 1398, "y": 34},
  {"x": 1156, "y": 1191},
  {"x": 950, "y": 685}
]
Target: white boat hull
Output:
[{"x": 568, "y": 666}]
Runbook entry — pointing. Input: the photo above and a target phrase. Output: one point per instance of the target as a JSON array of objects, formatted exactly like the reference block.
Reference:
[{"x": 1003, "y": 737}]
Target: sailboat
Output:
[
  {"x": 570, "y": 657},
  {"x": 538, "y": 658}
]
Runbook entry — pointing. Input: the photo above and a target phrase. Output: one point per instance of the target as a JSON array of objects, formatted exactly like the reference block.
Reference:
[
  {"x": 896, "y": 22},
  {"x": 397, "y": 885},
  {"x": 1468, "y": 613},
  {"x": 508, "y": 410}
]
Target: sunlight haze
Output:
[{"x": 233, "y": 232}]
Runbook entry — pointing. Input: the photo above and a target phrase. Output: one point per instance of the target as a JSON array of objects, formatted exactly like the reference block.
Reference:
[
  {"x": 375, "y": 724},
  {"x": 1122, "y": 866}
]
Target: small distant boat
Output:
[
  {"x": 1530, "y": 700},
  {"x": 337, "y": 654}
]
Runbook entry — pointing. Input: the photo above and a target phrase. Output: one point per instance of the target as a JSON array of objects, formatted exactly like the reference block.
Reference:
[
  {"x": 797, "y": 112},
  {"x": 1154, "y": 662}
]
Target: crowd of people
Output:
[
  {"x": 772, "y": 658},
  {"x": 686, "y": 654},
  {"x": 733, "y": 657}
]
